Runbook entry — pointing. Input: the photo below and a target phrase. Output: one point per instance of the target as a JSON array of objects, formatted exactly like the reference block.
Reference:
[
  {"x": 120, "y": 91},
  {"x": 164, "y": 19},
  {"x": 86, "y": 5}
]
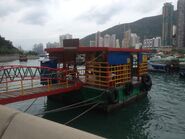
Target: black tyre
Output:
[{"x": 147, "y": 82}]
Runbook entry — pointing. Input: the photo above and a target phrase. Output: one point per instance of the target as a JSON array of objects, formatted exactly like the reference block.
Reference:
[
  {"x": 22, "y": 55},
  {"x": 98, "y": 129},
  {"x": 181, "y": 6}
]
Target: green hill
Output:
[
  {"x": 6, "y": 47},
  {"x": 148, "y": 27}
]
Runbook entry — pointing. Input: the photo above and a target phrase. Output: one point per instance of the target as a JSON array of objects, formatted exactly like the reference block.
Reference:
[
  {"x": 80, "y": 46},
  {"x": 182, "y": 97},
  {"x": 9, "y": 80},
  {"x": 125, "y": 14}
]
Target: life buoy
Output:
[
  {"x": 147, "y": 82},
  {"x": 112, "y": 96},
  {"x": 128, "y": 89}
]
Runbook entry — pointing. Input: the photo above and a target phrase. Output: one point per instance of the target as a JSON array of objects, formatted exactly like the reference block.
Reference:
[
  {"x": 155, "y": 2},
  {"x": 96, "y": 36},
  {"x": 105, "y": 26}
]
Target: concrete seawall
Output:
[
  {"x": 7, "y": 58},
  {"x": 17, "y": 125}
]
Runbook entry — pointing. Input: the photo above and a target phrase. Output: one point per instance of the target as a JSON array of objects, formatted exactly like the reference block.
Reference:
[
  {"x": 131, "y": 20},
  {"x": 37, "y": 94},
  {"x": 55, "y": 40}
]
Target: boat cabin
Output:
[{"x": 103, "y": 67}]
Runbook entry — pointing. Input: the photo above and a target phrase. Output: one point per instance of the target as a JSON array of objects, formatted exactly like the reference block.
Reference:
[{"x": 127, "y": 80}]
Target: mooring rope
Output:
[
  {"x": 95, "y": 105},
  {"x": 65, "y": 109},
  {"x": 30, "y": 105},
  {"x": 75, "y": 105}
]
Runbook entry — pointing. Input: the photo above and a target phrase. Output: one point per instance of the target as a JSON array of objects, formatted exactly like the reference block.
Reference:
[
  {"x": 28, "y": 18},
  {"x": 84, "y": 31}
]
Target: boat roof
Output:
[{"x": 84, "y": 49}]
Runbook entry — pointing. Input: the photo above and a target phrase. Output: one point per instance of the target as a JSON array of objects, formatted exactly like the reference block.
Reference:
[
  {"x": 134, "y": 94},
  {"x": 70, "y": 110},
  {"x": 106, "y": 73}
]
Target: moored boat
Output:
[
  {"x": 167, "y": 65},
  {"x": 182, "y": 67},
  {"x": 23, "y": 58},
  {"x": 112, "y": 77}
]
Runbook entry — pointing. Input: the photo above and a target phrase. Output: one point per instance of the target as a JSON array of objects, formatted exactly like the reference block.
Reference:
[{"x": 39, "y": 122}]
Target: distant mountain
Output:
[
  {"x": 148, "y": 27},
  {"x": 6, "y": 47}
]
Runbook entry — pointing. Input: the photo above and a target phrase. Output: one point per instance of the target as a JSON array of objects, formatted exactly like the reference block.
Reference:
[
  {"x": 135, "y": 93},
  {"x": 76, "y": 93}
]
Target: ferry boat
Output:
[
  {"x": 113, "y": 77},
  {"x": 23, "y": 58}
]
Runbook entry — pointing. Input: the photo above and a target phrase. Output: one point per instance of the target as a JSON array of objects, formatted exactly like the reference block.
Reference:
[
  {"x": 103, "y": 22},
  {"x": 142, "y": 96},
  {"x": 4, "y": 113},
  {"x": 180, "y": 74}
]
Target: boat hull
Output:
[
  {"x": 110, "y": 99},
  {"x": 182, "y": 73},
  {"x": 155, "y": 67},
  {"x": 23, "y": 58}
]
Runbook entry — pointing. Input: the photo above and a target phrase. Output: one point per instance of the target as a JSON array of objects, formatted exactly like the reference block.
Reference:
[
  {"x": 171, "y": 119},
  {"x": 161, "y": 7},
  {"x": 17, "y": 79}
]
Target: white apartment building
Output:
[
  {"x": 113, "y": 41},
  {"x": 130, "y": 40},
  {"x": 97, "y": 39},
  {"x": 126, "y": 39},
  {"x": 151, "y": 43},
  {"x": 148, "y": 43},
  {"x": 117, "y": 43},
  {"x": 157, "y": 42},
  {"x": 107, "y": 40},
  {"x": 64, "y": 37},
  {"x": 52, "y": 45},
  {"x": 101, "y": 42},
  {"x": 134, "y": 40},
  {"x": 92, "y": 43}
]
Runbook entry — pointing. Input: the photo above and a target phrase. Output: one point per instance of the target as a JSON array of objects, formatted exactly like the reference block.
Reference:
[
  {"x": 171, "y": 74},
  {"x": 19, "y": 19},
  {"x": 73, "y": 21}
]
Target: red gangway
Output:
[{"x": 18, "y": 83}]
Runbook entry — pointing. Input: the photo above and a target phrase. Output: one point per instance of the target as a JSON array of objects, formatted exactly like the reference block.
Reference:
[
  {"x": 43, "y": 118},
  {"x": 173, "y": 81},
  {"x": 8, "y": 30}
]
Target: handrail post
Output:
[
  {"x": 67, "y": 84},
  {"x": 6, "y": 85},
  {"x": 32, "y": 83},
  {"x": 22, "y": 89},
  {"x": 48, "y": 81}
]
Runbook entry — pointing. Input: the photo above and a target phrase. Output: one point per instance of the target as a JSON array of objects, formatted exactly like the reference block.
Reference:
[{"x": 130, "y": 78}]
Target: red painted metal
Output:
[
  {"x": 19, "y": 71},
  {"x": 10, "y": 74},
  {"x": 109, "y": 49},
  {"x": 84, "y": 49},
  {"x": 35, "y": 67},
  {"x": 31, "y": 96}
]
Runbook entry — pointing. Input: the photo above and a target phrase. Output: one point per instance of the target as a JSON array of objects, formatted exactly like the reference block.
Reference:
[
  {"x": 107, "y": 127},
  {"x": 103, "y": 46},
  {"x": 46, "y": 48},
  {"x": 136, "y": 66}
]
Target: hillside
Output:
[
  {"x": 148, "y": 27},
  {"x": 6, "y": 47}
]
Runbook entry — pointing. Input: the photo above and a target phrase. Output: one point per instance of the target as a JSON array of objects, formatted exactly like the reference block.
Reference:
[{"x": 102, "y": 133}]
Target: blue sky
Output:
[{"x": 26, "y": 22}]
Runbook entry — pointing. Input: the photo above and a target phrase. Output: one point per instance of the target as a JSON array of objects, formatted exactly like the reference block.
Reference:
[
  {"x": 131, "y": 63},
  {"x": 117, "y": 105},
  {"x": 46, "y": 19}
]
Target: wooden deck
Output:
[{"x": 20, "y": 95}]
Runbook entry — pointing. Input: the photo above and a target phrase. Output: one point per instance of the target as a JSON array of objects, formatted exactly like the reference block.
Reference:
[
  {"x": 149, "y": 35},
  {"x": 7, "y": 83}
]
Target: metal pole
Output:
[
  {"x": 22, "y": 89},
  {"x": 48, "y": 80},
  {"x": 6, "y": 85},
  {"x": 32, "y": 83}
]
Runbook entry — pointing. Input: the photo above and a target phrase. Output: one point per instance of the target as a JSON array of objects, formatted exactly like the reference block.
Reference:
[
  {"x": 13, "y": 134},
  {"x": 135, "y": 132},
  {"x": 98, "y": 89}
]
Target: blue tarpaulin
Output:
[{"x": 118, "y": 58}]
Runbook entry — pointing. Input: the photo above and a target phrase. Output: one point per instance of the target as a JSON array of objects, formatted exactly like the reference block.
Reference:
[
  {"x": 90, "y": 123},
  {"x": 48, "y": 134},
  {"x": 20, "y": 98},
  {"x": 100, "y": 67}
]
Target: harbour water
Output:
[{"x": 158, "y": 116}]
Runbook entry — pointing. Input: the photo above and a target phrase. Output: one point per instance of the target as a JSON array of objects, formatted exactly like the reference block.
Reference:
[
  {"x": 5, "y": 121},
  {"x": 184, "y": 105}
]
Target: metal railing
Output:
[
  {"x": 103, "y": 75},
  {"x": 21, "y": 80}
]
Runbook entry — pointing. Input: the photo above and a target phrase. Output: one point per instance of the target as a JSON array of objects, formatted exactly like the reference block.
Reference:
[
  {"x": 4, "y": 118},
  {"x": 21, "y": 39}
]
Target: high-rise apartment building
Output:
[
  {"x": 97, "y": 39},
  {"x": 157, "y": 42},
  {"x": 127, "y": 39},
  {"x": 101, "y": 41},
  {"x": 92, "y": 43},
  {"x": 52, "y": 45},
  {"x": 117, "y": 43},
  {"x": 134, "y": 40},
  {"x": 181, "y": 23},
  {"x": 152, "y": 43},
  {"x": 113, "y": 41},
  {"x": 167, "y": 24},
  {"x": 107, "y": 40},
  {"x": 64, "y": 37},
  {"x": 38, "y": 48},
  {"x": 130, "y": 39}
]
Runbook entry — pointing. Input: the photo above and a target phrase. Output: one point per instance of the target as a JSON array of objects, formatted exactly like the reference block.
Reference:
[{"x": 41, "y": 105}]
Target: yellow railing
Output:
[
  {"x": 103, "y": 75},
  {"x": 143, "y": 69},
  {"x": 23, "y": 87}
]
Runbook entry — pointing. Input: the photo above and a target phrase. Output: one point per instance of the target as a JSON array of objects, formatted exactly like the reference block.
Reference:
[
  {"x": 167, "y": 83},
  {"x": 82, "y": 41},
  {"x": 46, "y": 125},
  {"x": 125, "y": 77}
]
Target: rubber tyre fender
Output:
[
  {"x": 147, "y": 81},
  {"x": 112, "y": 96},
  {"x": 128, "y": 89}
]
